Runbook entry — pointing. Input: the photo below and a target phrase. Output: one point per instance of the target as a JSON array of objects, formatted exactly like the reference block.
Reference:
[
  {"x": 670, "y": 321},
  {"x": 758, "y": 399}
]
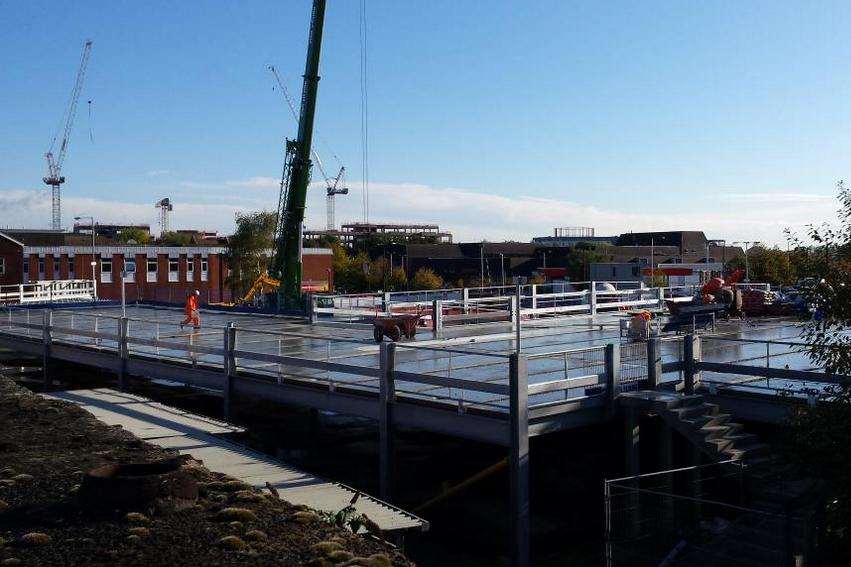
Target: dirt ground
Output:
[{"x": 47, "y": 446}]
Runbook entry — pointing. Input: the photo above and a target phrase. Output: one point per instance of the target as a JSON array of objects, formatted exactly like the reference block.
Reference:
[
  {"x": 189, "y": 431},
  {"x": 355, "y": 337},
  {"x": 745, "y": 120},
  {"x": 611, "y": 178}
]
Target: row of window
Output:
[{"x": 151, "y": 267}]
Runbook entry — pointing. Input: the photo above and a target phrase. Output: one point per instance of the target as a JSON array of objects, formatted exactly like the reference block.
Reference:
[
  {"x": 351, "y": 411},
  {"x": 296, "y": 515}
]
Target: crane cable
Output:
[{"x": 364, "y": 94}]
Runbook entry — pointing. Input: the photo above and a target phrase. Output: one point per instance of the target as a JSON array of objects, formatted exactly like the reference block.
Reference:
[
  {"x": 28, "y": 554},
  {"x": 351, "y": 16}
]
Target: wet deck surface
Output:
[{"x": 485, "y": 357}]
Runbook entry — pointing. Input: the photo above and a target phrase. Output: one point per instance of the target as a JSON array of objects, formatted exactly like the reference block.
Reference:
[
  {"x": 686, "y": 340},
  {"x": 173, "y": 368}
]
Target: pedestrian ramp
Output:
[{"x": 200, "y": 437}]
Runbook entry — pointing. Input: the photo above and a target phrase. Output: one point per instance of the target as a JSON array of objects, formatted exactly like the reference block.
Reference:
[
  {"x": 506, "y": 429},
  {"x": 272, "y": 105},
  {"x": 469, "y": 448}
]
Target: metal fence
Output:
[{"x": 697, "y": 515}]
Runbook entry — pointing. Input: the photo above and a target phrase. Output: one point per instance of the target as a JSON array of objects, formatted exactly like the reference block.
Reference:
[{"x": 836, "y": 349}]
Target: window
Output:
[
  {"x": 173, "y": 270},
  {"x": 2, "y": 266},
  {"x": 204, "y": 267},
  {"x": 151, "y": 269},
  {"x": 70, "y": 267},
  {"x": 130, "y": 264},
  {"x": 56, "y": 266},
  {"x": 106, "y": 270},
  {"x": 40, "y": 268},
  {"x": 26, "y": 268},
  {"x": 190, "y": 268}
]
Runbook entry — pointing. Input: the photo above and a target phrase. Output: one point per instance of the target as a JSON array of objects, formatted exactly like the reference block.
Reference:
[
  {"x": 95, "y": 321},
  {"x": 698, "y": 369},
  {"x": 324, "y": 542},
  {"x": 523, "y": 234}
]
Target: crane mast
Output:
[
  {"x": 286, "y": 262},
  {"x": 54, "y": 176}
]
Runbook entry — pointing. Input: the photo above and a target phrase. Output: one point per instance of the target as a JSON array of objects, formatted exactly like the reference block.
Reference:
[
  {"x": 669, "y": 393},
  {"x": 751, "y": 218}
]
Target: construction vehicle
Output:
[
  {"x": 286, "y": 264},
  {"x": 262, "y": 286},
  {"x": 54, "y": 178}
]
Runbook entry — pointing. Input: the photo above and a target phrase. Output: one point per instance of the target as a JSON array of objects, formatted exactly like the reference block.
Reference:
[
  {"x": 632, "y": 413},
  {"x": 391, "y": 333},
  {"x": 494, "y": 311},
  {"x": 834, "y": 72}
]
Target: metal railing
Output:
[{"x": 48, "y": 291}]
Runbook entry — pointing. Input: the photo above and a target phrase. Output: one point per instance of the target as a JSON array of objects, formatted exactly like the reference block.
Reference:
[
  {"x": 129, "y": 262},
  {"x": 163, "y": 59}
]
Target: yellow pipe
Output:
[{"x": 496, "y": 467}]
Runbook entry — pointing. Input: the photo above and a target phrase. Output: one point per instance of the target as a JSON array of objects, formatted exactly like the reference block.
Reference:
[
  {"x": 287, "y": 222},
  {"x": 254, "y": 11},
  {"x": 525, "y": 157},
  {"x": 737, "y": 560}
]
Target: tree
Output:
[
  {"x": 176, "y": 239},
  {"x": 821, "y": 434},
  {"x": 246, "y": 252},
  {"x": 581, "y": 256},
  {"x": 425, "y": 278},
  {"x": 135, "y": 235}
]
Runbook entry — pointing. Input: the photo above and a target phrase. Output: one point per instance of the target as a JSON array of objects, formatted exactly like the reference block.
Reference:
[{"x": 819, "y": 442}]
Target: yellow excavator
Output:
[{"x": 262, "y": 285}]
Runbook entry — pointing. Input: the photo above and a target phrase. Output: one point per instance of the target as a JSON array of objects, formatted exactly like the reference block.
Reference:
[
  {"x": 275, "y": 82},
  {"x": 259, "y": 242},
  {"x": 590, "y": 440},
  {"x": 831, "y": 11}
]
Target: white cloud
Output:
[
  {"x": 469, "y": 215},
  {"x": 256, "y": 182},
  {"x": 157, "y": 172}
]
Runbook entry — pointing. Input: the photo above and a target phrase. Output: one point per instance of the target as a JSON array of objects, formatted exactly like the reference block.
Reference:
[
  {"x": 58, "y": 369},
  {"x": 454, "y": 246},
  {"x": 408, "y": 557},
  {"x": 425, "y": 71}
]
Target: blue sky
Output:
[{"x": 495, "y": 119}]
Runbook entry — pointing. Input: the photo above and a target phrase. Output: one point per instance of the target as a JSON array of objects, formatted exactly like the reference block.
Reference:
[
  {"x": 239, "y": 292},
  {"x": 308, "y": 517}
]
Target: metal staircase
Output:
[{"x": 774, "y": 524}]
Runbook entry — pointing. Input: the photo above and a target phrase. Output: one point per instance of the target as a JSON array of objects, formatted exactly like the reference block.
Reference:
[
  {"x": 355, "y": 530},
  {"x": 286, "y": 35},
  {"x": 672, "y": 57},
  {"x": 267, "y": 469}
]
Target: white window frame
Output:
[
  {"x": 205, "y": 266},
  {"x": 174, "y": 275},
  {"x": 151, "y": 275},
  {"x": 70, "y": 267},
  {"x": 106, "y": 274},
  {"x": 190, "y": 269},
  {"x": 57, "y": 267},
  {"x": 41, "y": 267}
]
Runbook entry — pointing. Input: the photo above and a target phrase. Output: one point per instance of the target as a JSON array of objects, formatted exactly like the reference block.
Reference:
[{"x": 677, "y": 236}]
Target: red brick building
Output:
[{"x": 163, "y": 273}]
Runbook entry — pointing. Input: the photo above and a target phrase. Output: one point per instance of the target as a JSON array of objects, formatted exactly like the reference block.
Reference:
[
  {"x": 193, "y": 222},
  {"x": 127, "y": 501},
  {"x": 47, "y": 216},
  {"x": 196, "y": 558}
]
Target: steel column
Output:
[
  {"x": 654, "y": 362},
  {"x": 123, "y": 352},
  {"x": 46, "y": 328},
  {"x": 386, "y": 398},
  {"x": 229, "y": 366},
  {"x": 519, "y": 460},
  {"x": 613, "y": 374}
]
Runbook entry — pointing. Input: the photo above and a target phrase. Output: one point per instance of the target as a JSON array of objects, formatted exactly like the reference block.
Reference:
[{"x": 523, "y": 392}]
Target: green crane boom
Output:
[{"x": 286, "y": 262}]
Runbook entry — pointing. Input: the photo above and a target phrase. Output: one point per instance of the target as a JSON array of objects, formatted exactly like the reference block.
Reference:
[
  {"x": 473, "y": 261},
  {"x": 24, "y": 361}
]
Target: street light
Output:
[
  {"x": 748, "y": 245},
  {"x": 502, "y": 266}
]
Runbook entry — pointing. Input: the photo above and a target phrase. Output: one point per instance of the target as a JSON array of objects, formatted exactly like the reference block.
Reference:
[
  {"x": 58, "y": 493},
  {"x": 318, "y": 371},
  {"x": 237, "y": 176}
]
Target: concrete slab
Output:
[{"x": 197, "y": 436}]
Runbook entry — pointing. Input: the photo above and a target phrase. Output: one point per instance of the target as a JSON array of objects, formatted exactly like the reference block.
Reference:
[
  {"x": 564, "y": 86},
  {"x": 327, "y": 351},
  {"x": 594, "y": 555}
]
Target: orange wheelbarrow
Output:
[{"x": 394, "y": 327}]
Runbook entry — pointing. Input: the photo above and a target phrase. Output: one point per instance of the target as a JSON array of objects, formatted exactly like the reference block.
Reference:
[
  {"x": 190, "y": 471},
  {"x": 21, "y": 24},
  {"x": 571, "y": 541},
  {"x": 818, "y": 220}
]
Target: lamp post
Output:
[
  {"x": 92, "y": 263},
  {"x": 502, "y": 266},
  {"x": 748, "y": 245}
]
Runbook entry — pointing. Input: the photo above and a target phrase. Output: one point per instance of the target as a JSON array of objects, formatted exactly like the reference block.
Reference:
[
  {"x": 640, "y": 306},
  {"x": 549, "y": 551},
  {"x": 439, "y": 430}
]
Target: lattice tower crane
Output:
[{"x": 54, "y": 176}]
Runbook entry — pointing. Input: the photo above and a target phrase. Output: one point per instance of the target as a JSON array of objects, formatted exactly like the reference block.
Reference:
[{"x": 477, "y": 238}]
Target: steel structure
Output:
[
  {"x": 165, "y": 207},
  {"x": 54, "y": 177},
  {"x": 286, "y": 262},
  {"x": 333, "y": 186}
]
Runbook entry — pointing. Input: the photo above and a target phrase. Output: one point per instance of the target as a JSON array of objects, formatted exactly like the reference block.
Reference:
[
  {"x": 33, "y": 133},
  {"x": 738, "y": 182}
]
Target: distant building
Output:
[
  {"x": 111, "y": 231},
  {"x": 353, "y": 233},
  {"x": 570, "y": 235},
  {"x": 163, "y": 273}
]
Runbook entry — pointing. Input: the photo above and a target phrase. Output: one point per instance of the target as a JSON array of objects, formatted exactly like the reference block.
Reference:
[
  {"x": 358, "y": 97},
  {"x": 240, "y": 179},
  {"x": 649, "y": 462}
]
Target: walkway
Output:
[{"x": 200, "y": 437}]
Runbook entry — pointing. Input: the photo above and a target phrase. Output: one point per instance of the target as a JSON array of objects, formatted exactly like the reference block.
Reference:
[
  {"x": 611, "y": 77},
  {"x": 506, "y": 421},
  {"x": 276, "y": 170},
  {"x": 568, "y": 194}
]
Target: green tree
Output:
[
  {"x": 175, "y": 239},
  {"x": 821, "y": 435},
  {"x": 246, "y": 253},
  {"x": 134, "y": 234},
  {"x": 581, "y": 256},
  {"x": 425, "y": 278},
  {"x": 771, "y": 265}
]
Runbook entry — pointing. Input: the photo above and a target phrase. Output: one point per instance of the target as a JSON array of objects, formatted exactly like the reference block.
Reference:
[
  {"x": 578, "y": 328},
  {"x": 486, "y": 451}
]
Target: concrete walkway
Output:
[{"x": 198, "y": 436}]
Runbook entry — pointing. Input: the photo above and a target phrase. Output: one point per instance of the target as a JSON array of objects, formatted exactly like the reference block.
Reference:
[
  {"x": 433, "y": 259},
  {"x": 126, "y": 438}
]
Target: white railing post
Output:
[
  {"x": 465, "y": 298},
  {"x": 437, "y": 317},
  {"x": 21, "y": 293},
  {"x": 535, "y": 296},
  {"x": 593, "y": 299}
]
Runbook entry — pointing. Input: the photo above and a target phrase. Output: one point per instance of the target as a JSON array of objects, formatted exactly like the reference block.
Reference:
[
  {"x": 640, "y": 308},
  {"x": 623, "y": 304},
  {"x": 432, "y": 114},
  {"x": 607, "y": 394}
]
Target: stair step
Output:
[
  {"x": 719, "y": 444},
  {"x": 753, "y": 449},
  {"x": 715, "y": 432},
  {"x": 738, "y": 437},
  {"x": 692, "y": 411},
  {"x": 704, "y": 420}
]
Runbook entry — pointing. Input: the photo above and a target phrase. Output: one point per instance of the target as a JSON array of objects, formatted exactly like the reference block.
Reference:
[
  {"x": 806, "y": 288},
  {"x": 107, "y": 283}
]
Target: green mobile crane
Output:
[{"x": 286, "y": 262}]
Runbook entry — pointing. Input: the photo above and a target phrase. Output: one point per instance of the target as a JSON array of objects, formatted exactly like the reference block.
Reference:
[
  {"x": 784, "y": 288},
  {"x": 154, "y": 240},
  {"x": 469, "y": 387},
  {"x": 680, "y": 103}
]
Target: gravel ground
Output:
[{"x": 46, "y": 446}]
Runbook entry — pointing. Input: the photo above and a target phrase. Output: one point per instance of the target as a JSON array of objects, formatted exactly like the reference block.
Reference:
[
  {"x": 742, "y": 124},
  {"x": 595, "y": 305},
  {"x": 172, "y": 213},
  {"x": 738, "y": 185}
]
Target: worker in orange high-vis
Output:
[{"x": 191, "y": 311}]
